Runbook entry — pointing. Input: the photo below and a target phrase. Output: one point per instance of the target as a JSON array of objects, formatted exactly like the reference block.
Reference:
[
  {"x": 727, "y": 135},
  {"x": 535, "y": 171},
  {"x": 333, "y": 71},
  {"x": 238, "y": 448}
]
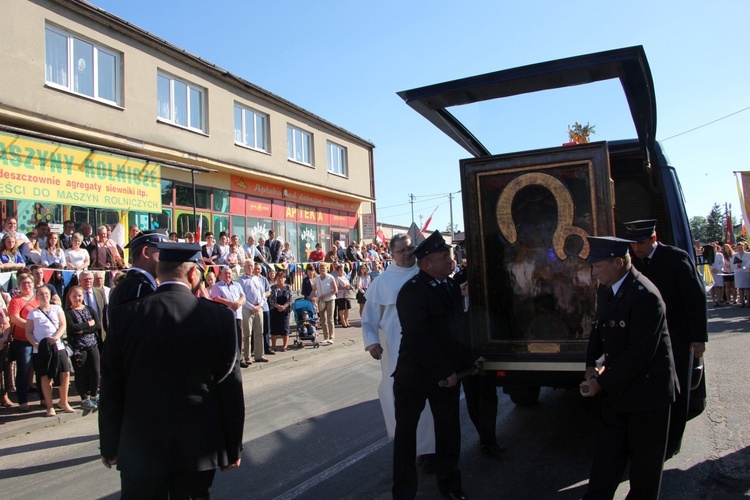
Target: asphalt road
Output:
[{"x": 314, "y": 430}]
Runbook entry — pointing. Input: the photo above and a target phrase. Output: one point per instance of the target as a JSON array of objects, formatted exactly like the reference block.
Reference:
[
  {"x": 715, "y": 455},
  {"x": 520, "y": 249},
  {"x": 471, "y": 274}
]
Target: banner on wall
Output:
[
  {"x": 268, "y": 190},
  {"x": 35, "y": 169}
]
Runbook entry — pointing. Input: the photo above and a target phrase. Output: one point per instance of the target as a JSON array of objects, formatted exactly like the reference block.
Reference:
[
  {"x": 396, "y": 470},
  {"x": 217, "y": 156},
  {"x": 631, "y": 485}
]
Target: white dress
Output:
[
  {"x": 380, "y": 325},
  {"x": 76, "y": 258},
  {"x": 716, "y": 269},
  {"x": 742, "y": 271}
]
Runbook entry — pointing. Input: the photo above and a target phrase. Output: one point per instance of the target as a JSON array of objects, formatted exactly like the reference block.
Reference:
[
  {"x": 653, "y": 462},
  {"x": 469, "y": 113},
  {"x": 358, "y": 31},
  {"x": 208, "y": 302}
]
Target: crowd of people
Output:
[
  {"x": 257, "y": 282},
  {"x": 730, "y": 272}
]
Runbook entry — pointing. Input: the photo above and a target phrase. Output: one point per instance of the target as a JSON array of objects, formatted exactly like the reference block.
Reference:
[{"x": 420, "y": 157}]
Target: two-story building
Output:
[{"x": 103, "y": 122}]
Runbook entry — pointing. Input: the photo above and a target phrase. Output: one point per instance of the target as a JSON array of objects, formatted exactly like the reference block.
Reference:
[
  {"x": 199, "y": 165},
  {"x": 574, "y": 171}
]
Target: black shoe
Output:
[
  {"x": 270, "y": 352},
  {"x": 243, "y": 364},
  {"x": 492, "y": 450},
  {"x": 426, "y": 464}
]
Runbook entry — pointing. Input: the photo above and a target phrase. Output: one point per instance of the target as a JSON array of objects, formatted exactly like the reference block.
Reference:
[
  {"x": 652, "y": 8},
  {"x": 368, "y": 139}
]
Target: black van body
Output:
[{"x": 527, "y": 215}]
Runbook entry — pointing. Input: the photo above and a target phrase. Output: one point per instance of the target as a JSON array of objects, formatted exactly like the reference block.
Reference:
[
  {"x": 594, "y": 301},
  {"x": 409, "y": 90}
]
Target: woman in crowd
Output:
[
  {"x": 77, "y": 257},
  {"x": 19, "y": 308},
  {"x": 360, "y": 284},
  {"x": 287, "y": 260},
  {"x": 4, "y": 349},
  {"x": 223, "y": 248},
  {"x": 280, "y": 305},
  {"x": 210, "y": 252},
  {"x": 331, "y": 257},
  {"x": 377, "y": 268},
  {"x": 726, "y": 269},
  {"x": 53, "y": 255},
  {"x": 47, "y": 323},
  {"x": 324, "y": 291},
  {"x": 82, "y": 325},
  {"x": 741, "y": 269},
  {"x": 317, "y": 255},
  {"x": 207, "y": 286},
  {"x": 342, "y": 302},
  {"x": 307, "y": 282},
  {"x": 10, "y": 257},
  {"x": 35, "y": 252},
  {"x": 717, "y": 291}
]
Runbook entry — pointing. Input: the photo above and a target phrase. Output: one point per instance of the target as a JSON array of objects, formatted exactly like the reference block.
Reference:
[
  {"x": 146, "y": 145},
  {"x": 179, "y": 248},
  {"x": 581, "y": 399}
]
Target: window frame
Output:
[
  {"x": 171, "y": 120},
  {"x": 292, "y": 143},
  {"x": 255, "y": 114},
  {"x": 70, "y": 86},
  {"x": 341, "y": 168}
]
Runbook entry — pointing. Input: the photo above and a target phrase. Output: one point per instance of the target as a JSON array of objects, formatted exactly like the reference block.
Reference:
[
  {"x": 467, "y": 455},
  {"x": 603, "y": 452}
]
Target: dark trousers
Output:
[
  {"x": 444, "y": 407},
  {"x": 178, "y": 485},
  {"x": 266, "y": 330},
  {"x": 639, "y": 438},
  {"x": 238, "y": 331},
  {"x": 678, "y": 416},
  {"x": 481, "y": 402},
  {"x": 87, "y": 375}
]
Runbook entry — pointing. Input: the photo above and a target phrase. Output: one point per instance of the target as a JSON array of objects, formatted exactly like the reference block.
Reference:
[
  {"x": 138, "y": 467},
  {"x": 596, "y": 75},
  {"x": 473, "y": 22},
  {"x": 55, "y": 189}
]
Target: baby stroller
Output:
[{"x": 307, "y": 323}]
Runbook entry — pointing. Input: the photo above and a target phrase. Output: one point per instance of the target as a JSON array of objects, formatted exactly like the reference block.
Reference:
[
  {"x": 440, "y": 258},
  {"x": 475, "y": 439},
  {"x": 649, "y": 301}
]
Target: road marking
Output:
[{"x": 333, "y": 470}]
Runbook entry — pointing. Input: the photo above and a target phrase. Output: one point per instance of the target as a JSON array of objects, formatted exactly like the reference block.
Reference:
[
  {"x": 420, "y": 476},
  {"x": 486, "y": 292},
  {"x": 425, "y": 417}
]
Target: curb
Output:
[{"x": 13, "y": 423}]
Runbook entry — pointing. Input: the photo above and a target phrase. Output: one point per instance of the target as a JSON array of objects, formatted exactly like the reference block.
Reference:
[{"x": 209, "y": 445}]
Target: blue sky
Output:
[{"x": 345, "y": 61}]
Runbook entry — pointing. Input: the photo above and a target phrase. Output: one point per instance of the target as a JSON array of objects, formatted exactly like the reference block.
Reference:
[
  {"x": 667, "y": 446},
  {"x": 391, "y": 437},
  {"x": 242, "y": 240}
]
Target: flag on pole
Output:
[
  {"x": 380, "y": 236},
  {"x": 427, "y": 222},
  {"x": 730, "y": 233},
  {"x": 743, "y": 186},
  {"x": 199, "y": 228}
]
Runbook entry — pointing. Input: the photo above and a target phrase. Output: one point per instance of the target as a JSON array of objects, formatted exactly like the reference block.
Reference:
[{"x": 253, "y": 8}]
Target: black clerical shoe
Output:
[{"x": 492, "y": 450}]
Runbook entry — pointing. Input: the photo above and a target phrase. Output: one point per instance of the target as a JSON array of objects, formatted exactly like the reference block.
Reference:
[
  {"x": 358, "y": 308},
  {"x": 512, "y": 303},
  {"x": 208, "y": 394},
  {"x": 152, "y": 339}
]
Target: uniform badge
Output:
[
  {"x": 640, "y": 287},
  {"x": 622, "y": 323},
  {"x": 611, "y": 323}
]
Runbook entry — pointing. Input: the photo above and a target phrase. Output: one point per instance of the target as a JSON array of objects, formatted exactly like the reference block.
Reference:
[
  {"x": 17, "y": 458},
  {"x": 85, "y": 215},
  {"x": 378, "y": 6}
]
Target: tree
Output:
[
  {"x": 699, "y": 228},
  {"x": 716, "y": 223}
]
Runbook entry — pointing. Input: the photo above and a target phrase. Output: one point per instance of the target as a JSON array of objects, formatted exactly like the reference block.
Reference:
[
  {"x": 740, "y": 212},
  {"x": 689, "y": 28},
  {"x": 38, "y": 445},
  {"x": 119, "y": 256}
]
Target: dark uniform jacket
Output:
[
  {"x": 133, "y": 286},
  {"x": 274, "y": 248},
  {"x": 432, "y": 327},
  {"x": 674, "y": 274},
  {"x": 631, "y": 331},
  {"x": 171, "y": 390}
]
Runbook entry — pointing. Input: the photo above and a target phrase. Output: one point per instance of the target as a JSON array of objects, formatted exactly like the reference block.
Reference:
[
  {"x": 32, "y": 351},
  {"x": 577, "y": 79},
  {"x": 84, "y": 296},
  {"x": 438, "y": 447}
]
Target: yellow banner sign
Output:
[{"x": 38, "y": 170}]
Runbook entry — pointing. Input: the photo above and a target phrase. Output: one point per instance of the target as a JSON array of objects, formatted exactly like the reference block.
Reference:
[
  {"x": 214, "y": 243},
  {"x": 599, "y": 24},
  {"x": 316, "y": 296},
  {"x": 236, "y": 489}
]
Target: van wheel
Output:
[{"x": 524, "y": 395}]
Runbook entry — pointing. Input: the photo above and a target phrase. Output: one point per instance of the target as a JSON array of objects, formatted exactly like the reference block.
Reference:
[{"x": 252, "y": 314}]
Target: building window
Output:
[
  {"x": 82, "y": 67},
  {"x": 250, "y": 128},
  {"x": 184, "y": 196},
  {"x": 337, "y": 159},
  {"x": 181, "y": 103},
  {"x": 300, "y": 145}
]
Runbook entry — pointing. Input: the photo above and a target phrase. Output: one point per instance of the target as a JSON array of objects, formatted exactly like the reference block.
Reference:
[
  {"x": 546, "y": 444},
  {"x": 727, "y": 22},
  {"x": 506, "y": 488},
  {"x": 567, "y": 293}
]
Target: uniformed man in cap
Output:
[
  {"x": 636, "y": 384},
  {"x": 430, "y": 310},
  {"x": 139, "y": 281},
  {"x": 171, "y": 410},
  {"x": 675, "y": 275}
]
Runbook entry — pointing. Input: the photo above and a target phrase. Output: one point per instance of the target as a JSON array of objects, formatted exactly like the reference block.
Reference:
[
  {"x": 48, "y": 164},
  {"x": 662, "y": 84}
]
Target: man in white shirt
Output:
[
  {"x": 252, "y": 252},
  {"x": 252, "y": 315},
  {"x": 381, "y": 330},
  {"x": 230, "y": 293}
]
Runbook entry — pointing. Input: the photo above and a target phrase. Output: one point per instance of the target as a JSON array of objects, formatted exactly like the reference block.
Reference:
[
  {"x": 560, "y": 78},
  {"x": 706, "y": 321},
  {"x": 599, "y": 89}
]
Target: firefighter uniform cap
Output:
[
  {"x": 146, "y": 238},
  {"x": 607, "y": 247},
  {"x": 433, "y": 243},
  {"x": 640, "y": 229},
  {"x": 179, "y": 252}
]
